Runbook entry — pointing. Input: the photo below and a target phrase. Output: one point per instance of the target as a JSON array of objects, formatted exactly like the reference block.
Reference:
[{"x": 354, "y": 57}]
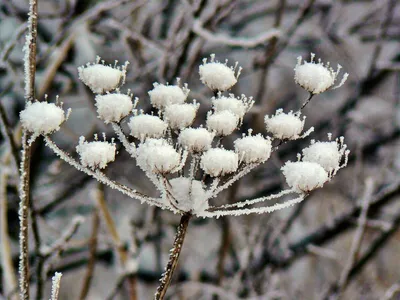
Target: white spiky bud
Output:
[
  {"x": 253, "y": 149},
  {"x": 218, "y": 76},
  {"x": 147, "y": 126},
  {"x": 285, "y": 126},
  {"x": 196, "y": 139},
  {"x": 223, "y": 123},
  {"x": 316, "y": 77},
  {"x": 113, "y": 107},
  {"x": 304, "y": 176},
  {"x": 163, "y": 95},
  {"x": 237, "y": 106},
  {"x": 95, "y": 154},
  {"x": 218, "y": 162},
  {"x": 101, "y": 78},
  {"x": 41, "y": 117},
  {"x": 180, "y": 116}
]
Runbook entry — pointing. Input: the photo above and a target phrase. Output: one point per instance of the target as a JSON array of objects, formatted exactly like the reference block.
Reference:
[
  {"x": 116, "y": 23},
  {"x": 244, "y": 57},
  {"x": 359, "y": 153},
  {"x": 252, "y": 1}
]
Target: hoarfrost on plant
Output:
[
  {"x": 95, "y": 154},
  {"x": 218, "y": 162},
  {"x": 163, "y": 95},
  {"x": 113, "y": 107},
  {"x": 180, "y": 116},
  {"x": 253, "y": 149},
  {"x": 196, "y": 139},
  {"x": 285, "y": 125},
  {"x": 147, "y": 126},
  {"x": 325, "y": 154},
  {"x": 222, "y": 122}
]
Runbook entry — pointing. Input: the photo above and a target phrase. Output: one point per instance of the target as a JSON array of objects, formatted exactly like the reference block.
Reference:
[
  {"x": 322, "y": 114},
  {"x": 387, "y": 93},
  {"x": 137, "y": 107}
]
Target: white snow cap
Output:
[
  {"x": 285, "y": 126},
  {"x": 180, "y": 116},
  {"x": 253, "y": 149},
  {"x": 95, "y": 154},
  {"x": 196, "y": 139},
  {"x": 189, "y": 195},
  {"x": 147, "y": 126},
  {"x": 163, "y": 95},
  {"x": 304, "y": 176},
  {"x": 218, "y": 162},
  {"x": 113, "y": 107},
  {"x": 315, "y": 77},
  {"x": 41, "y": 117},
  {"x": 218, "y": 76},
  {"x": 222, "y": 122},
  {"x": 101, "y": 78},
  {"x": 237, "y": 106},
  {"x": 158, "y": 156}
]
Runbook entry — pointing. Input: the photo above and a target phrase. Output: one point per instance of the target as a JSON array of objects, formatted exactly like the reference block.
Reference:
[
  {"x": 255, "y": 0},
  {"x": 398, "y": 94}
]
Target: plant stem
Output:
[{"x": 173, "y": 257}]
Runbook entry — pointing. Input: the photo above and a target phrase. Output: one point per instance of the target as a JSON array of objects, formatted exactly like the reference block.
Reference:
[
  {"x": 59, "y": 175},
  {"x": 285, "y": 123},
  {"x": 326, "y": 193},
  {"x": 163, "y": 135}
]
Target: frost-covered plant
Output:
[{"x": 188, "y": 165}]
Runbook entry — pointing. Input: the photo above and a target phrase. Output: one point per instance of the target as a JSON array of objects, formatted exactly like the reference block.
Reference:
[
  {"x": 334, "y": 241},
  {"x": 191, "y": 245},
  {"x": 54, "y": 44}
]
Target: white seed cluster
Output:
[{"x": 95, "y": 154}]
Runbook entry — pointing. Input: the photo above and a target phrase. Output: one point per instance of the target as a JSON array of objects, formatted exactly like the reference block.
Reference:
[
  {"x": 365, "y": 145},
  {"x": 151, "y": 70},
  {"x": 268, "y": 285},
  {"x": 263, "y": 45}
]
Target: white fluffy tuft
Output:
[
  {"x": 163, "y": 95},
  {"x": 223, "y": 123},
  {"x": 196, "y": 139},
  {"x": 180, "y": 116},
  {"x": 285, "y": 126},
  {"x": 253, "y": 149},
  {"x": 218, "y": 162},
  {"x": 325, "y": 154},
  {"x": 147, "y": 126},
  {"x": 113, "y": 107},
  {"x": 237, "y": 106},
  {"x": 95, "y": 154}
]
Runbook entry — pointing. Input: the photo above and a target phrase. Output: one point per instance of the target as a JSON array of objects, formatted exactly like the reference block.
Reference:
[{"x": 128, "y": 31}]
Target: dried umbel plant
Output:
[{"x": 177, "y": 158}]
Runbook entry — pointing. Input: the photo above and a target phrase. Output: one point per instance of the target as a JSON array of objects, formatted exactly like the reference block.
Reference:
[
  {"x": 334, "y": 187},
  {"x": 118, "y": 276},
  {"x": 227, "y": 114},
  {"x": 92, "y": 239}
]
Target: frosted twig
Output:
[
  {"x": 233, "y": 41},
  {"x": 55, "y": 287},
  {"x": 393, "y": 290},
  {"x": 130, "y": 148}
]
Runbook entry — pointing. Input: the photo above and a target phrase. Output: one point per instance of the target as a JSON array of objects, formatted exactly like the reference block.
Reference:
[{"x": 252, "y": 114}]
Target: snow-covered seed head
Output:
[
  {"x": 316, "y": 77},
  {"x": 147, "y": 126},
  {"x": 285, "y": 126},
  {"x": 113, "y": 107},
  {"x": 42, "y": 117},
  {"x": 101, "y": 78},
  {"x": 95, "y": 154},
  {"x": 253, "y": 149},
  {"x": 163, "y": 95},
  {"x": 188, "y": 194},
  {"x": 304, "y": 176},
  {"x": 196, "y": 139},
  {"x": 326, "y": 154},
  {"x": 237, "y": 106},
  {"x": 180, "y": 116},
  {"x": 218, "y": 76},
  {"x": 218, "y": 162},
  {"x": 158, "y": 156},
  {"x": 223, "y": 123}
]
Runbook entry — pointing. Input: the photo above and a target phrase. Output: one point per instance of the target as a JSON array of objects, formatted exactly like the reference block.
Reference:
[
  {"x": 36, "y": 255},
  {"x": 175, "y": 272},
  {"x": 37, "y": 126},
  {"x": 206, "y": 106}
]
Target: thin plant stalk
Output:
[{"x": 175, "y": 252}]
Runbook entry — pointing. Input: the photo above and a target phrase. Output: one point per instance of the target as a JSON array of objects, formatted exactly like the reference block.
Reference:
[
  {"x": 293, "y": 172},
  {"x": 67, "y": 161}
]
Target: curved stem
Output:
[{"x": 173, "y": 257}]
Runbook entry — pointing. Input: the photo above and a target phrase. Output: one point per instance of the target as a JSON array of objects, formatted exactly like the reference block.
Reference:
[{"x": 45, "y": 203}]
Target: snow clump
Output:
[
  {"x": 218, "y": 162},
  {"x": 163, "y": 95},
  {"x": 285, "y": 126},
  {"x": 196, "y": 139},
  {"x": 315, "y": 77},
  {"x": 253, "y": 149},
  {"x": 113, "y": 107},
  {"x": 222, "y": 122},
  {"x": 42, "y": 117},
  {"x": 326, "y": 154},
  {"x": 218, "y": 76},
  {"x": 180, "y": 116},
  {"x": 95, "y": 154},
  {"x": 101, "y": 78},
  {"x": 147, "y": 126},
  {"x": 237, "y": 106}
]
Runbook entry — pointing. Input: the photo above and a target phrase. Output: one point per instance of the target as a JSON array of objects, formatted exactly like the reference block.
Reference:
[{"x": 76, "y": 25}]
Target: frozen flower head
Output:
[
  {"x": 158, "y": 156},
  {"x": 180, "y": 116},
  {"x": 189, "y": 195},
  {"x": 218, "y": 76},
  {"x": 223, "y": 123},
  {"x": 144, "y": 126},
  {"x": 163, "y": 95},
  {"x": 304, "y": 176},
  {"x": 253, "y": 149},
  {"x": 237, "y": 106},
  {"x": 316, "y": 77},
  {"x": 42, "y": 117},
  {"x": 95, "y": 154},
  {"x": 285, "y": 126},
  {"x": 196, "y": 139},
  {"x": 327, "y": 154},
  {"x": 113, "y": 107},
  {"x": 101, "y": 78},
  {"x": 219, "y": 162}
]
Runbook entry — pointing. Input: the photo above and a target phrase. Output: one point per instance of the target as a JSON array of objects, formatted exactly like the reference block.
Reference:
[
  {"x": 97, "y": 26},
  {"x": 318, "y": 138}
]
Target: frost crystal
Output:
[
  {"x": 158, "y": 156},
  {"x": 113, "y": 107},
  {"x": 253, "y": 149},
  {"x": 315, "y": 77},
  {"x": 188, "y": 194},
  {"x": 218, "y": 76},
  {"x": 42, "y": 117},
  {"x": 101, "y": 78},
  {"x": 180, "y": 116},
  {"x": 163, "y": 95},
  {"x": 285, "y": 126},
  {"x": 223, "y": 122},
  {"x": 95, "y": 154},
  {"x": 304, "y": 176},
  {"x": 237, "y": 106},
  {"x": 325, "y": 154},
  {"x": 218, "y": 162},
  {"x": 147, "y": 126},
  {"x": 196, "y": 139}
]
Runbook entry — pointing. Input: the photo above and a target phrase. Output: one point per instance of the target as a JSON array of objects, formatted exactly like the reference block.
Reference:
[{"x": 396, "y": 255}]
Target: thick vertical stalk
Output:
[{"x": 173, "y": 257}]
